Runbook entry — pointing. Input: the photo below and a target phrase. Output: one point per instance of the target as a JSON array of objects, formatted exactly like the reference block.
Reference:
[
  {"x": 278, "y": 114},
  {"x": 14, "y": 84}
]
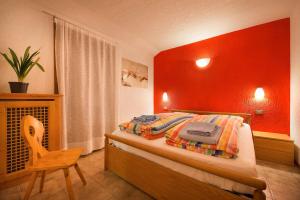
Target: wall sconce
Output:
[
  {"x": 202, "y": 62},
  {"x": 165, "y": 99},
  {"x": 259, "y": 96}
]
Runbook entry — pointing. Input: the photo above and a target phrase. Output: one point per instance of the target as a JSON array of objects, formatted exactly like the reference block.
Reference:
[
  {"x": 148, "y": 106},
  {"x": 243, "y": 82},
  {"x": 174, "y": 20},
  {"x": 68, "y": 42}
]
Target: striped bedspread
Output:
[
  {"x": 158, "y": 128},
  {"x": 227, "y": 146}
]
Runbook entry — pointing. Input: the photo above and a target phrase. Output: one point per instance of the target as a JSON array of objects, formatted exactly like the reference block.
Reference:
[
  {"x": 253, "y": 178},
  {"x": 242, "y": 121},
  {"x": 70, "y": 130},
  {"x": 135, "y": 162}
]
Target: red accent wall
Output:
[{"x": 243, "y": 60}]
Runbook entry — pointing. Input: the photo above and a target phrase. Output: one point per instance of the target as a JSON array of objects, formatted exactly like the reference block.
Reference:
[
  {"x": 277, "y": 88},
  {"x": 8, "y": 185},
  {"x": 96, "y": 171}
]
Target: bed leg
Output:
[
  {"x": 259, "y": 195},
  {"x": 106, "y": 153}
]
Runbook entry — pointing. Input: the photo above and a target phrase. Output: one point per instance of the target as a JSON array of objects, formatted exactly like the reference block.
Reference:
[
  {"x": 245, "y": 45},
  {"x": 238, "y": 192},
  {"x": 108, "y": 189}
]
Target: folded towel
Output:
[
  {"x": 203, "y": 127},
  {"x": 194, "y": 132},
  {"x": 227, "y": 146},
  {"x": 145, "y": 119},
  {"x": 143, "y": 125},
  {"x": 170, "y": 124},
  {"x": 190, "y": 133}
]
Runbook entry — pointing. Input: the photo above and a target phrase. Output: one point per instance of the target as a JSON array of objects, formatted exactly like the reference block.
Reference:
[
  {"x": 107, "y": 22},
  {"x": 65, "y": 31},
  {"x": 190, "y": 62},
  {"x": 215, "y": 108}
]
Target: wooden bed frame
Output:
[{"x": 164, "y": 183}]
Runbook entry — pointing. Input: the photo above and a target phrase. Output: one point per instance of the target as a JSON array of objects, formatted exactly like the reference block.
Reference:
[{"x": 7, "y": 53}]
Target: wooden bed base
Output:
[{"x": 164, "y": 183}]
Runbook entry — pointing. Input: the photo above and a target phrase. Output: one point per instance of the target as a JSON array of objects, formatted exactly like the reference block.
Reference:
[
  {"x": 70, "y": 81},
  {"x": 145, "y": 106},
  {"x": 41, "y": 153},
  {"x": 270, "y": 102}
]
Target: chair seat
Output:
[{"x": 57, "y": 159}]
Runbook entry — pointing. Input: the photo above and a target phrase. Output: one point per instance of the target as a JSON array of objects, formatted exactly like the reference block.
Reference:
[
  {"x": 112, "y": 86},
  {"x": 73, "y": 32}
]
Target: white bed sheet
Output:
[{"x": 244, "y": 163}]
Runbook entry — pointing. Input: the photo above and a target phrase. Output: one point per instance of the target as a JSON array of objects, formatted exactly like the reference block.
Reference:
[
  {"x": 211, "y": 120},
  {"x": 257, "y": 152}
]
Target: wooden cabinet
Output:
[
  {"x": 274, "y": 147},
  {"x": 13, "y": 150}
]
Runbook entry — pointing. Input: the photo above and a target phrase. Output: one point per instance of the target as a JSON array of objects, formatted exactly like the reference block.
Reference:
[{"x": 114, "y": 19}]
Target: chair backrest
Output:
[{"x": 33, "y": 140}]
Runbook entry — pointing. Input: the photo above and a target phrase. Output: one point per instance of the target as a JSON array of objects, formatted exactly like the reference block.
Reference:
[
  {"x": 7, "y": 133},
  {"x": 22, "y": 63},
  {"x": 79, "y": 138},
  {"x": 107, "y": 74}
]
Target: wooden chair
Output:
[{"x": 42, "y": 160}]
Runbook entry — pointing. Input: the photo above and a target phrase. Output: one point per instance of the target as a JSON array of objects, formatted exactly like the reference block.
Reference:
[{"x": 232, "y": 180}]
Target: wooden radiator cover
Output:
[{"x": 14, "y": 153}]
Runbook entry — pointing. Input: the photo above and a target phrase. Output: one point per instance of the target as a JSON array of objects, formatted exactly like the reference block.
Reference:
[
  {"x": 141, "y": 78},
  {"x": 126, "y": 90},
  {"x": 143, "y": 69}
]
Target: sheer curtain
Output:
[{"x": 86, "y": 69}]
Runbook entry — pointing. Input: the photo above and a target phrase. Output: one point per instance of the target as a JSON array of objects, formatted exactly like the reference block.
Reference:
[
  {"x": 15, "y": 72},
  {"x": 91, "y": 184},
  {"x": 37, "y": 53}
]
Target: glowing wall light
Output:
[
  {"x": 202, "y": 62},
  {"x": 259, "y": 94},
  {"x": 165, "y": 99}
]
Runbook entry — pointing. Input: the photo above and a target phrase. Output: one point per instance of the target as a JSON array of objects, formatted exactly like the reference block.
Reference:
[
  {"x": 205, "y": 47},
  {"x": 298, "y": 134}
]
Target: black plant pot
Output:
[{"x": 18, "y": 87}]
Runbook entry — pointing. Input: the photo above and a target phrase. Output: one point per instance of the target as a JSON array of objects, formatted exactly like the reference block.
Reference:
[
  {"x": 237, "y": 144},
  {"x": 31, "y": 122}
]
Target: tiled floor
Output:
[{"x": 283, "y": 183}]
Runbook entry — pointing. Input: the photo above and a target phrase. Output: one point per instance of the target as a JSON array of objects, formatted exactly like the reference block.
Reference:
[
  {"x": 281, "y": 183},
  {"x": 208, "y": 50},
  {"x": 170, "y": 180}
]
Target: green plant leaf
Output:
[
  {"x": 32, "y": 64},
  {"x": 26, "y": 54},
  {"x": 40, "y": 66},
  {"x": 8, "y": 59},
  {"x": 23, "y": 65},
  {"x": 15, "y": 59},
  {"x": 27, "y": 63},
  {"x": 34, "y": 54},
  {"x": 11, "y": 63},
  {"x": 30, "y": 58}
]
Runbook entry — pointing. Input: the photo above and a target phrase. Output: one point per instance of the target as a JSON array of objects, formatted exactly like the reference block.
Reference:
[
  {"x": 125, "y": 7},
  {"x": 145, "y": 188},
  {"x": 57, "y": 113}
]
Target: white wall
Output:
[
  {"x": 21, "y": 26},
  {"x": 295, "y": 79},
  {"x": 136, "y": 101},
  {"x": 22, "y": 23}
]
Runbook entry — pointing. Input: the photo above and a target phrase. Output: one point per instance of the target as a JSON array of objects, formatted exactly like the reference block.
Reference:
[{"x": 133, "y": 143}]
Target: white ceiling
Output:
[{"x": 166, "y": 24}]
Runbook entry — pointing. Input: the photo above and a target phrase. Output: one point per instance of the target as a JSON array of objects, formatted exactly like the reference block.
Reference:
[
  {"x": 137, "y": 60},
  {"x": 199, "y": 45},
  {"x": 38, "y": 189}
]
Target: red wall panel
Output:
[{"x": 243, "y": 60}]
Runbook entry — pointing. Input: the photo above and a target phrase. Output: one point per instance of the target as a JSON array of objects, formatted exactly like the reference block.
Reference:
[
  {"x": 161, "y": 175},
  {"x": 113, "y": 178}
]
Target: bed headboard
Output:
[{"x": 246, "y": 116}]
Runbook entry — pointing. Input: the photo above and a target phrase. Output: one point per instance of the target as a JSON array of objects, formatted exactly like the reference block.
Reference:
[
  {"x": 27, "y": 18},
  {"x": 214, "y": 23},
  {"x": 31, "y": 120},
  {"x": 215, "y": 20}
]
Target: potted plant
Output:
[{"x": 22, "y": 67}]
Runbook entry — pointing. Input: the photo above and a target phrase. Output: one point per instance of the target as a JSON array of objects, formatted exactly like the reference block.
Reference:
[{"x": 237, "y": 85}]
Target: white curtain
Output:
[{"x": 86, "y": 69}]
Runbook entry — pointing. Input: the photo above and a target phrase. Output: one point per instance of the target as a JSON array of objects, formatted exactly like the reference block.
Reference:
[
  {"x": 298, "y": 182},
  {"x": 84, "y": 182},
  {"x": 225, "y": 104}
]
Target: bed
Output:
[{"x": 167, "y": 172}]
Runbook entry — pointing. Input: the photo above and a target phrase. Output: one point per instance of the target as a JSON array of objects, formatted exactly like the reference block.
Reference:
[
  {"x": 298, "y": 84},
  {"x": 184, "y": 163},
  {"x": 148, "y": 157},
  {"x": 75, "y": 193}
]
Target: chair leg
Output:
[
  {"x": 42, "y": 181},
  {"x": 80, "y": 174},
  {"x": 31, "y": 184},
  {"x": 68, "y": 183}
]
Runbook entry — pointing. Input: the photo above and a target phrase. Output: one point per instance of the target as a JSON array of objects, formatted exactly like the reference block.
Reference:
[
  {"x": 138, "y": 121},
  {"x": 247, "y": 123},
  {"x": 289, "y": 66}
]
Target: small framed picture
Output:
[{"x": 134, "y": 74}]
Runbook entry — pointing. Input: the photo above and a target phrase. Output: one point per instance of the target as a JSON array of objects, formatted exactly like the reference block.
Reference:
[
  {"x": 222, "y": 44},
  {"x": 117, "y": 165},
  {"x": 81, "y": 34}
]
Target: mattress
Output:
[{"x": 245, "y": 162}]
